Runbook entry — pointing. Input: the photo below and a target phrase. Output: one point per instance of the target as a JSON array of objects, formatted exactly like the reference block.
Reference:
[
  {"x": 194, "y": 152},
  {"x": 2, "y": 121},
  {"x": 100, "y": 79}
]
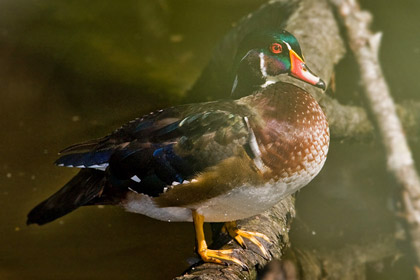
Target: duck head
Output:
[{"x": 264, "y": 57}]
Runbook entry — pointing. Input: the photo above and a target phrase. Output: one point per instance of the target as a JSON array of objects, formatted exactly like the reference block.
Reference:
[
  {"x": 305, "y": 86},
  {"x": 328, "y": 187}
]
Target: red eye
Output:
[{"x": 276, "y": 48}]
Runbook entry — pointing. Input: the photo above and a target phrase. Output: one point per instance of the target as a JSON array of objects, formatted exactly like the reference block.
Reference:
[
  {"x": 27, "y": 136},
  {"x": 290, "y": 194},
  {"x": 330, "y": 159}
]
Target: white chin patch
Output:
[{"x": 268, "y": 82}]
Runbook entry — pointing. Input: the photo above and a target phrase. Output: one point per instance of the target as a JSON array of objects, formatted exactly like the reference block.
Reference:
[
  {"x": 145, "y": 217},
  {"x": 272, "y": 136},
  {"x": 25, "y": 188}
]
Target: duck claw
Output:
[
  {"x": 225, "y": 257},
  {"x": 239, "y": 235}
]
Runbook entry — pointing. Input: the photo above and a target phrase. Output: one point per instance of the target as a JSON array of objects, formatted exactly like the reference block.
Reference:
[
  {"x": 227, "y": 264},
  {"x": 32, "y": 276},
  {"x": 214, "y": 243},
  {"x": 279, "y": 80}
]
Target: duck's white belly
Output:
[
  {"x": 143, "y": 204},
  {"x": 241, "y": 202}
]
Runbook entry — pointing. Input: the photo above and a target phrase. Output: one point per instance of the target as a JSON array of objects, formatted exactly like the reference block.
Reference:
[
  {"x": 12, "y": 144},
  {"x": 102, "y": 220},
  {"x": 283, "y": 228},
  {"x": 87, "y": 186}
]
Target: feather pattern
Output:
[
  {"x": 148, "y": 155},
  {"x": 187, "y": 156},
  {"x": 81, "y": 190}
]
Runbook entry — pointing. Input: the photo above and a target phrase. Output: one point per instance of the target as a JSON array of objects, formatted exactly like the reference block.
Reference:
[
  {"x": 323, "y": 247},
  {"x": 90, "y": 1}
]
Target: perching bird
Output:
[{"x": 217, "y": 161}]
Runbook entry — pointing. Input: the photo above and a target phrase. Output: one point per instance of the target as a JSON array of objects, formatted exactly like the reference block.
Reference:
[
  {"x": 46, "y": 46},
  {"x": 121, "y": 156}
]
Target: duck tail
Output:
[{"x": 87, "y": 185}]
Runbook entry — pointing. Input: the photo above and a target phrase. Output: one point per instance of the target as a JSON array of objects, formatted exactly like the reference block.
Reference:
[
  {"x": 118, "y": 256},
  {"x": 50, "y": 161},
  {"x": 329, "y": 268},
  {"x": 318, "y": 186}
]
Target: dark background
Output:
[{"x": 75, "y": 70}]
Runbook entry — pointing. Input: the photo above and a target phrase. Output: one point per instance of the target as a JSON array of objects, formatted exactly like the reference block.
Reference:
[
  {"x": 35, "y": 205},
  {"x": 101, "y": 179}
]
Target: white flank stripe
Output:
[{"x": 255, "y": 148}]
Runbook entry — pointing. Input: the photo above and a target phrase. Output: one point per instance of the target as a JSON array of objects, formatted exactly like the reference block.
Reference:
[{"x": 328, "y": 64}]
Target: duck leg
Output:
[
  {"x": 208, "y": 255},
  {"x": 238, "y": 235}
]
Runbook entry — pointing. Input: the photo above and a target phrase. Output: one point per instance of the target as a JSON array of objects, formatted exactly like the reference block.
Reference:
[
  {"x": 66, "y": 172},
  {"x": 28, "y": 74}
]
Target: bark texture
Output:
[{"x": 274, "y": 223}]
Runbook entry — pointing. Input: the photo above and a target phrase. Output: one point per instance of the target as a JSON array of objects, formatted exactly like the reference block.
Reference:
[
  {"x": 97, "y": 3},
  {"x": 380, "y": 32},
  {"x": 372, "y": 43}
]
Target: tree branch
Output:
[
  {"x": 323, "y": 48},
  {"x": 274, "y": 223},
  {"x": 365, "y": 46},
  {"x": 352, "y": 122}
]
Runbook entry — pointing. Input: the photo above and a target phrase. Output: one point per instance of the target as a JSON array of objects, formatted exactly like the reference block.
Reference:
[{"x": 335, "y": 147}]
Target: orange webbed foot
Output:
[
  {"x": 239, "y": 235},
  {"x": 225, "y": 257}
]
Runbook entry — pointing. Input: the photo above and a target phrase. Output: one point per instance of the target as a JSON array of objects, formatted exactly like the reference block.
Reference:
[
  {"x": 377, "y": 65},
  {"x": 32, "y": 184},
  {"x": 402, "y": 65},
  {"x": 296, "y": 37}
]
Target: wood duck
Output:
[{"x": 217, "y": 161}]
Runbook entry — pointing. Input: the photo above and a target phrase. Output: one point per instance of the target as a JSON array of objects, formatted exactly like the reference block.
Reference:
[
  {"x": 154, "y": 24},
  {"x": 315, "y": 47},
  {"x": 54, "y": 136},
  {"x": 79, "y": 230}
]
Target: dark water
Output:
[{"x": 71, "y": 71}]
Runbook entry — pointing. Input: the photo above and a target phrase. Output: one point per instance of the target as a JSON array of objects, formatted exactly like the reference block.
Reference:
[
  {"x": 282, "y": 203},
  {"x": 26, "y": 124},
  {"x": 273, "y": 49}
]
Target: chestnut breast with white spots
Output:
[
  {"x": 292, "y": 134},
  {"x": 288, "y": 144}
]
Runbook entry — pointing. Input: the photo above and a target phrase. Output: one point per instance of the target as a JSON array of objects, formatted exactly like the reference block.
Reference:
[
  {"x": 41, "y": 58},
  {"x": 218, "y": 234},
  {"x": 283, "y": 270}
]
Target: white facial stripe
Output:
[
  {"x": 262, "y": 65},
  {"x": 288, "y": 46},
  {"x": 269, "y": 80}
]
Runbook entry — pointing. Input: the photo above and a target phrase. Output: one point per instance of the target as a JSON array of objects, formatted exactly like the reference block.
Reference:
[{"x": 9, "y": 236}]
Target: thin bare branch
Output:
[{"x": 365, "y": 46}]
